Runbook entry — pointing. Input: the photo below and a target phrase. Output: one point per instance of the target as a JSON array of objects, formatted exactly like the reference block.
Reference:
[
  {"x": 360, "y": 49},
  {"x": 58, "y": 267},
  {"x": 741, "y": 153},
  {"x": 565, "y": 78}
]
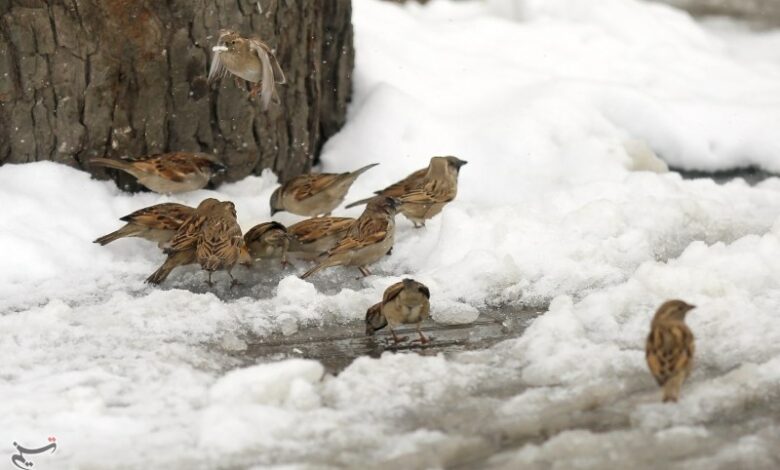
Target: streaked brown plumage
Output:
[
  {"x": 369, "y": 238},
  {"x": 268, "y": 240},
  {"x": 670, "y": 347},
  {"x": 314, "y": 194},
  {"x": 425, "y": 192},
  {"x": 310, "y": 238},
  {"x": 220, "y": 243},
  {"x": 156, "y": 223},
  {"x": 404, "y": 302},
  {"x": 181, "y": 248},
  {"x": 168, "y": 173},
  {"x": 250, "y": 59}
]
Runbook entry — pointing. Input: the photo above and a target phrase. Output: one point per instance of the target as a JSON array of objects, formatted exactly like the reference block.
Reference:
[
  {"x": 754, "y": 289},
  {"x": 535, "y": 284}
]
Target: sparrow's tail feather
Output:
[
  {"x": 358, "y": 203},
  {"x": 125, "y": 231},
  {"x": 362, "y": 170},
  {"x": 672, "y": 387},
  {"x": 326, "y": 263},
  {"x": 115, "y": 164},
  {"x": 268, "y": 85},
  {"x": 179, "y": 258},
  {"x": 374, "y": 319}
]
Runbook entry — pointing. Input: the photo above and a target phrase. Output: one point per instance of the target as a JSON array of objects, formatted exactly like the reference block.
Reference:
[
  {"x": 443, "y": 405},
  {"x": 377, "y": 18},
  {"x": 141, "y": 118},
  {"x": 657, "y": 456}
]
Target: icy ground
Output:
[{"x": 558, "y": 106}]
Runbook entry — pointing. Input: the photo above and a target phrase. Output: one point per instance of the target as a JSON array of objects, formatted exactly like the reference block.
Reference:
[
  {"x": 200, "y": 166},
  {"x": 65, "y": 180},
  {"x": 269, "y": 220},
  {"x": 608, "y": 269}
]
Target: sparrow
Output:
[
  {"x": 157, "y": 223},
  {"x": 368, "y": 239},
  {"x": 669, "y": 349},
  {"x": 220, "y": 243},
  {"x": 169, "y": 173},
  {"x": 181, "y": 248},
  {"x": 404, "y": 302},
  {"x": 311, "y": 237},
  {"x": 425, "y": 192},
  {"x": 250, "y": 59},
  {"x": 314, "y": 194},
  {"x": 268, "y": 240}
]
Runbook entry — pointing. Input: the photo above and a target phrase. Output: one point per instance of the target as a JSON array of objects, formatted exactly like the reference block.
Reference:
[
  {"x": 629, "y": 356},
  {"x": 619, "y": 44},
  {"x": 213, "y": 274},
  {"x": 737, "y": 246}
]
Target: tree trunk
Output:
[{"x": 92, "y": 78}]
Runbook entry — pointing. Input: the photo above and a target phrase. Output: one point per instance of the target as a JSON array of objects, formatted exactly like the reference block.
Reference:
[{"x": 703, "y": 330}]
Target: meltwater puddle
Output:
[{"x": 336, "y": 346}]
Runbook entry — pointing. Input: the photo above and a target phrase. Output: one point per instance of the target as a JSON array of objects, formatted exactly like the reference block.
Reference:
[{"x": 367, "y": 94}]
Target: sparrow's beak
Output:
[
  {"x": 219, "y": 167},
  {"x": 461, "y": 163},
  {"x": 274, "y": 211}
]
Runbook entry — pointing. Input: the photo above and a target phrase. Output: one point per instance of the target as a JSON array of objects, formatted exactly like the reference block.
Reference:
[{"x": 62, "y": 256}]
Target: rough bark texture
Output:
[{"x": 87, "y": 78}]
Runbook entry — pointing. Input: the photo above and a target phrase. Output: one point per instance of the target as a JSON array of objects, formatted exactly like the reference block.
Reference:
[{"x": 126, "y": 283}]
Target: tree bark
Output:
[{"x": 93, "y": 78}]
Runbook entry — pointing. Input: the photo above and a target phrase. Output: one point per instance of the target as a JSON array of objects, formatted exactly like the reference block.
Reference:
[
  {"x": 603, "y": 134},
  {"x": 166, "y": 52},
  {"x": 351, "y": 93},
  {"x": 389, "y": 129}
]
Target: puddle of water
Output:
[{"x": 336, "y": 346}]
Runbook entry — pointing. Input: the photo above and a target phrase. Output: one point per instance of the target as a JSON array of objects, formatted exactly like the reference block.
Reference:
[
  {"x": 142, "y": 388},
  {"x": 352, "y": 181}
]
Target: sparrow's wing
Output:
[
  {"x": 172, "y": 167},
  {"x": 311, "y": 230},
  {"x": 267, "y": 83},
  {"x": 275, "y": 67},
  {"x": 392, "y": 292},
  {"x": 188, "y": 233},
  {"x": 167, "y": 216},
  {"x": 364, "y": 232},
  {"x": 411, "y": 182},
  {"x": 669, "y": 351},
  {"x": 306, "y": 186},
  {"x": 217, "y": 70},
  {"x": 256, "y": 232}
]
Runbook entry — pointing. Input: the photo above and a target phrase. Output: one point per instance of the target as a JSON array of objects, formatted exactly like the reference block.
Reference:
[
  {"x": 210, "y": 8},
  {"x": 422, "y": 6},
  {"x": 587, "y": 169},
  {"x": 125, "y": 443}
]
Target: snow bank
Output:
[{"x": 562, "y": 110}]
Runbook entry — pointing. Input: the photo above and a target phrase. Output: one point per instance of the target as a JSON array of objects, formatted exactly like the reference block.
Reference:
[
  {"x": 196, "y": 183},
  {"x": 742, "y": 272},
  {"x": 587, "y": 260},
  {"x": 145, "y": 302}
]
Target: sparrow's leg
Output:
[
  {"x": 364, "y": 271},
  {"x": 389, "y": 252},
  {"x": 256, "y": 87},
  {"x": 211, "y": 284},
  {"x": 233, "y": 281},
  {"x": 239, "y": 82},
  {"x": 423, "y": 339},
  {"x": 395, "y": 337}
]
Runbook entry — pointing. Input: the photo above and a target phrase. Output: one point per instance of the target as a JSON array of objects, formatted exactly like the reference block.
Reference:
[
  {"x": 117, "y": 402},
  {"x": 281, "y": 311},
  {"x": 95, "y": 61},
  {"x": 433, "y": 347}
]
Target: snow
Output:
[{"x": 568, "y": 113}]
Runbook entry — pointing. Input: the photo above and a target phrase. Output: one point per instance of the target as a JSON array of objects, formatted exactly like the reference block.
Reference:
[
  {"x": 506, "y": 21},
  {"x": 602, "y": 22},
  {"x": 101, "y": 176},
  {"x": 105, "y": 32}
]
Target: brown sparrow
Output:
[
  {"x": 404, "y": 302},
  {"x": 181, "y": 248},
  {"x": 220, "y": 242},
  {"x": 250, "y": 59},
  {"x": 669, "y": 349},
  {"x": 425, "y": 192},
  {"x": 368, "y": 239},
  {"x": 311, "y": 237},
  {"x": 314, "y": 194},
  {"x": 169, "y": 173},
  {"x": 268, "y": 240},
  {"x": 156, "y": 223}
]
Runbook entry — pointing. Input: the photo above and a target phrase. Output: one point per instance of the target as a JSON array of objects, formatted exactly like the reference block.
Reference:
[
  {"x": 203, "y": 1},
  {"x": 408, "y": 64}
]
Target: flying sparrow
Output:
[
  {"x": 368, "y": 239},
  {"x": 669, "y": 349},
  {"x": 250, "y": 59},
  {"x": 156, "y": 223},
  {"x": 181, "y": 248},
  {"x": 425, "y": 192},
  {"x": 169, "y": 173},
  {"x": 314, "y": 194},
  {"x": 268, "y": 240},
  {"x": 310, "y": 238},
  {"x": 404, "y": 302}
]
